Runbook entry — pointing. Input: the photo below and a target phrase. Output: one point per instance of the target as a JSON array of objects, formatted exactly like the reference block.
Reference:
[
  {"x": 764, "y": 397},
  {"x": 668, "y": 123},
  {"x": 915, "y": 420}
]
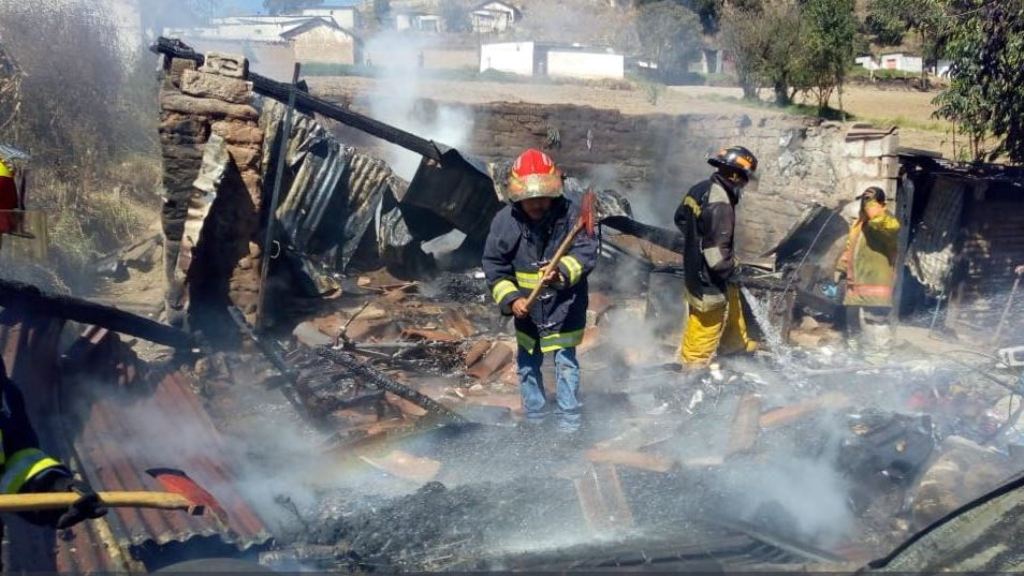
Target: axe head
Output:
[
  {"x": 178, "y": 482},
  {"x": 587, "y": 217}
]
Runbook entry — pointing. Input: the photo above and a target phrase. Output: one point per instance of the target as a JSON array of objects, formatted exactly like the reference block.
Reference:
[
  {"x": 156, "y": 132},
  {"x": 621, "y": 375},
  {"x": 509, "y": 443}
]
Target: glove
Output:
[{"x": 87, "y": 506}]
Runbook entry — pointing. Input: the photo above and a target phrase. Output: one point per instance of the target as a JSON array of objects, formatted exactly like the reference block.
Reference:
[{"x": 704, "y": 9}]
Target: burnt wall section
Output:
[
  {"x": 654, "y": 159},
  {"x": 210, "y": 232}
]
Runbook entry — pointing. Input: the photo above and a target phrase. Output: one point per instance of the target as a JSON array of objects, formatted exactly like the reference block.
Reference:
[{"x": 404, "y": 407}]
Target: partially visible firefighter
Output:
[
  {"x": 12, "y": 201},
  {"x": 868, "y": 267},
  {"x": 523, "y": 239},
  {"x": 707, "y": 218},
  {"x": 25, "y": 468}
]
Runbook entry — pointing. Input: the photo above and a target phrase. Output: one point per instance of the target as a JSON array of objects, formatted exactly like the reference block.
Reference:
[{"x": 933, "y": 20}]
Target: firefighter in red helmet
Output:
[{"x": 524, "y": 237}]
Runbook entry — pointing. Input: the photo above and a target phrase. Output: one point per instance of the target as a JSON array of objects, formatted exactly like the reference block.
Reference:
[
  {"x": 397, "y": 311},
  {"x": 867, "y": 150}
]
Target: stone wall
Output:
[
  {"x": 654, "y": 159},
  {"x": 212, "y": 233}
]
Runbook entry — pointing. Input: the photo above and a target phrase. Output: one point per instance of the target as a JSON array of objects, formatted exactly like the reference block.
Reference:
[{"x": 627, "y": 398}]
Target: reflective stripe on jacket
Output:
[
  {"x": 707, "y": 218},
  {"x": 21, "y": 460},
  {"x": 516, "y": 250},
  {"x": 870, "y": 261}
]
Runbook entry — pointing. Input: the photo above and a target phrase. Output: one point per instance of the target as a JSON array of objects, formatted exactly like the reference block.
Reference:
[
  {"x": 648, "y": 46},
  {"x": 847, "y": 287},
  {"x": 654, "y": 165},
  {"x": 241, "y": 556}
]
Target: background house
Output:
[
  {"x": 892, "y": 61},
  {"x": 553, "y": 60},
  {"x": 867, "y": 62},
  {"x": 323, "y": 41},
  {"x": 417, "y": 21},
  {"x": 494, "y": 17},
  {"x": 344, "y": 15},
  {"x": 902, "y": 62},
  {"x": 274, "y": 43}
]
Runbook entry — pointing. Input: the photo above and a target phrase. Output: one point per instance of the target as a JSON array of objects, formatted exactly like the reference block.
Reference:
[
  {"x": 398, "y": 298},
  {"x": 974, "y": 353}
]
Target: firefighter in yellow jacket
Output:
[
  {"x": 868, "y": 265},
  {"x": 707, "y": 219}
]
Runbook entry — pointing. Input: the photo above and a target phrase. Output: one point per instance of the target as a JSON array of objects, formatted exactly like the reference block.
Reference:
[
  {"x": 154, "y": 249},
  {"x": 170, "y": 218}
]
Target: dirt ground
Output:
[{"x": 909, "y": 109}]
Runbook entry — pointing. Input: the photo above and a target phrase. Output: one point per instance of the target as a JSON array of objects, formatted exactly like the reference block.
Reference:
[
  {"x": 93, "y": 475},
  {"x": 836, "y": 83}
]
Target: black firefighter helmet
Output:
[{"x": 735, "y": 158}]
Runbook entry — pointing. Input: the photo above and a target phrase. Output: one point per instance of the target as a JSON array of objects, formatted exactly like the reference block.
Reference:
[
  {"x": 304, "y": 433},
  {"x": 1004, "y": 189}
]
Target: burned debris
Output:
[{"x": 372, "y": 419}]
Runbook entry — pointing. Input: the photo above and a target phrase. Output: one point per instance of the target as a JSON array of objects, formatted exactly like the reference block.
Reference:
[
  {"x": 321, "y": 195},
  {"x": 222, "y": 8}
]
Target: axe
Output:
[
  {"x": 182, "y": 493},
  {"x": 584, "y": 223}
]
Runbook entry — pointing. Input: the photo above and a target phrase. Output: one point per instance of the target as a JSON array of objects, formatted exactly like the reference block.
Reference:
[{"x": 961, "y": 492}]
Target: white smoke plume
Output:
[{"x": 396, "y": 57}]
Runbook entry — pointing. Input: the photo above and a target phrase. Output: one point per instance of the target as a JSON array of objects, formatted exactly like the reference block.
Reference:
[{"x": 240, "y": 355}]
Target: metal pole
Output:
[{"x": 282, "y": 153}]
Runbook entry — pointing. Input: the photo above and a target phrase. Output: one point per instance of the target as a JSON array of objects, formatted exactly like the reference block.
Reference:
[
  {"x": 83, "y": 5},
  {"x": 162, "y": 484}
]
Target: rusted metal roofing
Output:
[
  {"x": 115, "y": 456},
  {"x": 153, "y": 423}
]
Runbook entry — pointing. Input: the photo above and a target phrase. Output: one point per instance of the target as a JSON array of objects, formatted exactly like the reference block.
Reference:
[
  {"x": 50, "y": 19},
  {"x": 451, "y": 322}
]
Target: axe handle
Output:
[
  {"x": 562, "y": 251},
  {"x": 57, "y": 500}
]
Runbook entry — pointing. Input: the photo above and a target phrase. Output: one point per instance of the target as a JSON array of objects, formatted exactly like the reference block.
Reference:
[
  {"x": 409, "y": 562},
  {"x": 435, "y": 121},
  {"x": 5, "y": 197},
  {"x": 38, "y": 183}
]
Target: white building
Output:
[
  {"x": 417, "y": 21},
  {"x": 511, "y": 57},
  {"x": 553, "y": 60},
  {"x": 902, "y": 62},
  {"x": 892, "y": 61},
  {"x": 867, "y": 62},
  {"x": 494, "y": 16}
]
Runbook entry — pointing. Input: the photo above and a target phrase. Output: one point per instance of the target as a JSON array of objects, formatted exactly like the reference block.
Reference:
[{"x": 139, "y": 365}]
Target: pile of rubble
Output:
[{"x": 887, "y": 449}]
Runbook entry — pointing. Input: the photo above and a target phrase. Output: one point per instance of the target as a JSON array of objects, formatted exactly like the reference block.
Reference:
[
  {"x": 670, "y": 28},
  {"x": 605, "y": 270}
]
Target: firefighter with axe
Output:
[{"x": 539, "y": 252}]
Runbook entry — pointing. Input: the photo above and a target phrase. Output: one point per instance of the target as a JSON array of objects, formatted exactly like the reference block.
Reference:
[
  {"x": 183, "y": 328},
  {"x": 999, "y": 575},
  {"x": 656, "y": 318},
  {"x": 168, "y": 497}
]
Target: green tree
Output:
[
  {"x": 985, "y": 41},
  {"x": 455, "y": 16},
  {"x": 830, "y": 31},
  {"x": 288, "y": 6},
  {"x": 766, "y": 43},
  {"x": 669, "y": 35},
  {"x": 888, "y": 20}
]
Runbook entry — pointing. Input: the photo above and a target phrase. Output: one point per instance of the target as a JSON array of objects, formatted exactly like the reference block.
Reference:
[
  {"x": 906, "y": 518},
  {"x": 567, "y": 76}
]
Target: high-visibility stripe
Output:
[
  {"x": 527, "y": 280},
  {"x": 5, "y": 172},
  {"x": 551, "y": 342},
  {"x": 693, "y": 204},
  {"x": 502, "y": 289},
  {"x": 561, "y": 340},
  {"x": 713, "y": 256},
  {"x": 575, "y": 269},
  {"x": 22, "y": 467},
  {"x": 525, "y": 341},
  {"x": 870, "y": 290}
]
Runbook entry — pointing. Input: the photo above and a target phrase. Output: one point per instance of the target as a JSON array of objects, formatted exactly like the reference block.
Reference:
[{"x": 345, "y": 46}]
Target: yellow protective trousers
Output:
[{"x": 720, "y": 330}]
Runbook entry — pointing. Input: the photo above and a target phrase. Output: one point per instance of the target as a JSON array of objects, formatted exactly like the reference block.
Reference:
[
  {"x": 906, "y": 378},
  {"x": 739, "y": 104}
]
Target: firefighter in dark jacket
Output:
[
  {"x": 707, "y": 219},
  {"x": 24, "y": 468},
  {"x": 524, "y": 237}
]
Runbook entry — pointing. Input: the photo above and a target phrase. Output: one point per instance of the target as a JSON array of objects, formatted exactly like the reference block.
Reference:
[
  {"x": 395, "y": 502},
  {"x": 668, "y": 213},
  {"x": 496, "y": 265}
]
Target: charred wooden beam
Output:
[
  {"x": 19, "y": 298},
  {"x": 308, "y": 103},
  {"x": 373, "y": 377}
]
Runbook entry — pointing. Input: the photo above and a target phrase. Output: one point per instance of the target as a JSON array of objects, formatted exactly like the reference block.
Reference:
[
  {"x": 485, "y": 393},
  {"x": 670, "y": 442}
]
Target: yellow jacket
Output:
[{"x": 869, "y": 261}]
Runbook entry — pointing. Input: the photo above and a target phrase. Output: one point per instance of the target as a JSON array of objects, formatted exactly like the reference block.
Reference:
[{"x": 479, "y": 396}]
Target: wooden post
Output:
[
  {"x": 268, "y": 240},
  {"x": 904, "y": 213}
]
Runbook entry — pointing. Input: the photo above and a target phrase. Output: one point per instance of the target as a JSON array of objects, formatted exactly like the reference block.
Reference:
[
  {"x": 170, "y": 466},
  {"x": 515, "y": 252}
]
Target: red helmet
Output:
[{"x": 534, "y": 175}]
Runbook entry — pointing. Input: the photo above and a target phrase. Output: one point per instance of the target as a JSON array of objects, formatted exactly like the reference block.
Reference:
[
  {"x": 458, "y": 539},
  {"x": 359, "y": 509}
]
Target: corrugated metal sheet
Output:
[
  {"x": 161, "y": 423},
  {"x": 330, "y": 202},
  {"x": 114, "y": 448}
]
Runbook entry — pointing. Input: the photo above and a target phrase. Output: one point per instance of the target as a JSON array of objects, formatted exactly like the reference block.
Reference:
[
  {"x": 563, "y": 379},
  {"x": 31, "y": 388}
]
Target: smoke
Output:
[{"x": 396, "y": 98}]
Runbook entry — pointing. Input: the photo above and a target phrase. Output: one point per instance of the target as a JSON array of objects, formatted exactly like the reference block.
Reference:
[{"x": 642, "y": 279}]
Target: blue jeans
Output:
[{"x": 531, "y": 387}]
